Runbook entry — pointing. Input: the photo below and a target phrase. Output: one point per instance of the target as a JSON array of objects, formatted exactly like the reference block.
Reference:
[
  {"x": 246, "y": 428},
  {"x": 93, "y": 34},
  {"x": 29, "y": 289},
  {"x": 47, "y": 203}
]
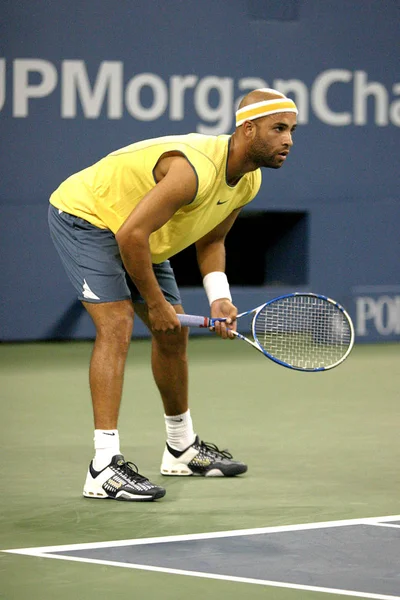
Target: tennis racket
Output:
[{"x": 301, "y": 331}]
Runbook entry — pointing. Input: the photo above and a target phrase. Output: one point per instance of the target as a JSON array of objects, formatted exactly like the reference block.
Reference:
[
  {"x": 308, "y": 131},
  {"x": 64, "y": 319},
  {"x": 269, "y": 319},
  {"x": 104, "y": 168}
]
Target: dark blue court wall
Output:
[{"x": 80, "y": 79}]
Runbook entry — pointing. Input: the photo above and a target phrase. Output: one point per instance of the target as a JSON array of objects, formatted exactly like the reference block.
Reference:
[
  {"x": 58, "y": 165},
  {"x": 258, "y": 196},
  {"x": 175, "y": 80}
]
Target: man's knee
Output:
[
  {"x": 174, "y": 343},
  {"x": 113, "y": 321},
  {"x": 119, "y": 328}
]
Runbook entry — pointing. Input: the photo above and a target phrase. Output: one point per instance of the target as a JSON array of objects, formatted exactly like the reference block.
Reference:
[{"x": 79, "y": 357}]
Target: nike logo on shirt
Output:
[{"x": 222, "y": 201}]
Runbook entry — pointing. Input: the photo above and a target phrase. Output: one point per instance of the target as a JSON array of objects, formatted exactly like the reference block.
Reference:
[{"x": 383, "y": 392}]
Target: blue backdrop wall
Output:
[{"x": 80, "y": 79}]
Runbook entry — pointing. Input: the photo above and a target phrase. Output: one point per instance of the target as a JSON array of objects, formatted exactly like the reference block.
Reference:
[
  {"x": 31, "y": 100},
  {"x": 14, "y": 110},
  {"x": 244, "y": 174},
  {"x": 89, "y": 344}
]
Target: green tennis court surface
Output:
[{"x": 320, "y": 447}]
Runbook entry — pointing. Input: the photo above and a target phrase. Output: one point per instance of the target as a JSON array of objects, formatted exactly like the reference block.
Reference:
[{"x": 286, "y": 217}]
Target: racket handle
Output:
[{"x": 197, "y": 321}]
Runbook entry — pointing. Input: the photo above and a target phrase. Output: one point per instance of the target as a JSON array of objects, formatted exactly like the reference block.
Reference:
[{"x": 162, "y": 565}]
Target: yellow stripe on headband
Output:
[{"x": 262, "y": 109}]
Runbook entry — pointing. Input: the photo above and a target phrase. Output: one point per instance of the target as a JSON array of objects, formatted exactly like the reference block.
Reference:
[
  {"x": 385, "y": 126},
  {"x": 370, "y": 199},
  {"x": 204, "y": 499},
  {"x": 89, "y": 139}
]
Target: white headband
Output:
[{"x": 265, "y": 107}]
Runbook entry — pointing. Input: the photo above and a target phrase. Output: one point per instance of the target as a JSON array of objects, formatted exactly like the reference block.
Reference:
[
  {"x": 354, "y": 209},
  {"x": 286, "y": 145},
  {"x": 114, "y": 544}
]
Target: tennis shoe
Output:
[
  {"x": 201, "y": 459},
  {"x": 120, "y": 480}
]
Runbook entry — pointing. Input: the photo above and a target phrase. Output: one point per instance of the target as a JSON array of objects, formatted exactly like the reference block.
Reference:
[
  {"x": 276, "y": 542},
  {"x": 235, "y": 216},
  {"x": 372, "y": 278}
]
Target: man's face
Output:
[{"x": 272, "y": 140}]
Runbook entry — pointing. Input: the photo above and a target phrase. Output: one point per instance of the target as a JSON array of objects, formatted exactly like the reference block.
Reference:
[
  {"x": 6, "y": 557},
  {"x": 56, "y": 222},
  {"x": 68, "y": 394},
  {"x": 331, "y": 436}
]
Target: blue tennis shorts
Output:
[{"x": 93, "y": 263}]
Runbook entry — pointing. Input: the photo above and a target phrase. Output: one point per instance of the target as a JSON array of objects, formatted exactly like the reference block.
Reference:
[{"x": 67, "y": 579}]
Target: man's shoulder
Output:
[
  {"x": 207, "y": 144},
  {"x": 254, "y": 178},
  {"x": 252, "y": 183}
]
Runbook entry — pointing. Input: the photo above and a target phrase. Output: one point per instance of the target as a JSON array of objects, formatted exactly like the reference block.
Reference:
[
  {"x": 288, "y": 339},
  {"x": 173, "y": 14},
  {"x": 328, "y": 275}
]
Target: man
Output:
[{"x": 115, "y": 225}]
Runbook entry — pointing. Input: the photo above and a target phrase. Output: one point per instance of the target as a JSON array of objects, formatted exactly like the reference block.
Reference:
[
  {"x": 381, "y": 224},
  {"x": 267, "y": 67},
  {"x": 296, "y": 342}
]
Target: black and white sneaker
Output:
[
  {"x": 120, "y": 480},
  {"x": 200, "y": 459}
]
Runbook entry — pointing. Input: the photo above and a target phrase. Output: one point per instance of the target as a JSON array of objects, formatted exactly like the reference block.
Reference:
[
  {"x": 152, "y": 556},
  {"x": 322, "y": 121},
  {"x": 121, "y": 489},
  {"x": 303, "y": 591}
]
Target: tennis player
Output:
[{"x": 115, "y": 225}]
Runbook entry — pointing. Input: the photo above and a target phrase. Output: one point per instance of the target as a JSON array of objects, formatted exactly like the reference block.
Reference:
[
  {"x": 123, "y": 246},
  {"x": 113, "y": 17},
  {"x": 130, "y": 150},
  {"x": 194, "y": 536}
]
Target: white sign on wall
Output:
[
  {"x": 378, "y": 311},
  {"x": 116, "y": 93}
]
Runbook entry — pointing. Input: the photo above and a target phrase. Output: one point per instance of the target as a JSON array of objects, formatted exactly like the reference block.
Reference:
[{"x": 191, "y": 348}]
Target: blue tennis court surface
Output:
[{"x": 354, "y": 557}]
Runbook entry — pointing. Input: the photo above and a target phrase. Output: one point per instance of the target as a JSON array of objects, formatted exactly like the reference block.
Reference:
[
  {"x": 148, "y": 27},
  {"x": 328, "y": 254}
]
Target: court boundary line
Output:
[{"x": 48, "y": 552}]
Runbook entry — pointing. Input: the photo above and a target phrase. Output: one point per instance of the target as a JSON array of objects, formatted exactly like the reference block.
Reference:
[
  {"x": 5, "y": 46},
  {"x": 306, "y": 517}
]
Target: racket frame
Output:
[
  {"x": 198, "y": 321},
  {"x": 256, "y": 344}
]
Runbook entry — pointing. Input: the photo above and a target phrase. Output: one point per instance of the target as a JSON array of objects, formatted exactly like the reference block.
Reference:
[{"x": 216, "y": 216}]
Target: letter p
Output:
[
  {"x": 23, "y": 90},
  {"x": 366, "y": 310}
]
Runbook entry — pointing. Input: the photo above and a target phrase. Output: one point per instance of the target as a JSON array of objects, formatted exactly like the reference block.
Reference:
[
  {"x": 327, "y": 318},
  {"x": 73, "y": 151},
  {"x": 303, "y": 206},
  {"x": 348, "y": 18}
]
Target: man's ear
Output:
[{"x": 249, "y": 129}]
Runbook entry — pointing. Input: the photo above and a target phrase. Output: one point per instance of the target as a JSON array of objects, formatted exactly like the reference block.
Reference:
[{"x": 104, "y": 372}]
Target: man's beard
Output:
[{"x": 262, "y": 158}]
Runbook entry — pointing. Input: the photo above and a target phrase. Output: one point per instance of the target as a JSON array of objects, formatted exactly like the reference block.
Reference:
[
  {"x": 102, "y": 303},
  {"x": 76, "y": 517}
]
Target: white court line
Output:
[
  {"x": 47, "y": 552},
  {"x": 230, "y": 578},
  {"x": 203, "y": 536}
]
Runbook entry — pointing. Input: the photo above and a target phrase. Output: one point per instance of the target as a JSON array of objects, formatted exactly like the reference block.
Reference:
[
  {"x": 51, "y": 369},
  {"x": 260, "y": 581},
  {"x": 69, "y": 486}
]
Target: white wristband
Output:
[{"x": 216, "y": 286}]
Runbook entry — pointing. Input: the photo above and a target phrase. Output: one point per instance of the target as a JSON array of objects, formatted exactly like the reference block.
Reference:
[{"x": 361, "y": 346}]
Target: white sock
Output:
[
  {"x": 180, "y": 434},
  {"x": 106, "y": 445}
]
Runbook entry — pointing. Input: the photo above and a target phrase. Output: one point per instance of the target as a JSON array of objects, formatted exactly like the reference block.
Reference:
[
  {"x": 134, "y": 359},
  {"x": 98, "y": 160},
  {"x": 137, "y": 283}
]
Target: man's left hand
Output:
[{"x": 224, "y": 308}]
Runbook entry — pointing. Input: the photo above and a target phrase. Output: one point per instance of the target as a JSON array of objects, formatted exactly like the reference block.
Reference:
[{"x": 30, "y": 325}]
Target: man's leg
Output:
[
  {"x": 109, "y": 476},
  {"x": 169, "y": 364},
  {"x": 113, "y": 322},
  {"x": 185, "y": 453},
  {"x": 92, "y": 262}
]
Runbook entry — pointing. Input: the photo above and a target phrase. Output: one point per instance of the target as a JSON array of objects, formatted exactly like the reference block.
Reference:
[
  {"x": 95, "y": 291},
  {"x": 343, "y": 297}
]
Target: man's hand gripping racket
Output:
[{"x": 302, "y": 331}]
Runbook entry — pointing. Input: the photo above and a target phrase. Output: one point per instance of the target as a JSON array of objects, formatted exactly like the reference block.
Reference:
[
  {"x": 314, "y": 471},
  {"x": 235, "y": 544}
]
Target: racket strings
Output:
[{"x": 303, "y": 331}]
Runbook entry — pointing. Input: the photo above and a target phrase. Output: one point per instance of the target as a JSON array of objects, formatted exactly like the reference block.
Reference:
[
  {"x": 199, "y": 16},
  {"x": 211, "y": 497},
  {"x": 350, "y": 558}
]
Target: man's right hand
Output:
[{"x": 163, "y": 318}]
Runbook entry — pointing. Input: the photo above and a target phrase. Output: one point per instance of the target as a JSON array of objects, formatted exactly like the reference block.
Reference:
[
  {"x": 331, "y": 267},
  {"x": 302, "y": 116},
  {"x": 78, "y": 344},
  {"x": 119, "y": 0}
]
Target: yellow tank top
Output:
[{"x": 106, "y": 193}]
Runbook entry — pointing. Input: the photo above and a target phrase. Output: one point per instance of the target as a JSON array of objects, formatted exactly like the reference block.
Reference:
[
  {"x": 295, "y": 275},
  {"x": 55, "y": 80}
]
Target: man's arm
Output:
[
  {"x": 211, "y": 259},
  {"x": 177, "y": 186}
]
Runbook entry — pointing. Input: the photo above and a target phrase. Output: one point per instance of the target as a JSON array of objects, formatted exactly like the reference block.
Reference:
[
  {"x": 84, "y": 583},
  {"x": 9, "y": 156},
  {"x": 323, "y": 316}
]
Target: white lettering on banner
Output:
[
  {"x": 394, "y": 111},
  {"x": 363, "y": 89},
  {"x": 213, "y": 99},
  {"x": 319, "y": 100},
  {"x": 382, "y": 313},
  {"x": 160, "y": 97},
  {"x": 220, "y": 114},
  {"x": 23, "y": 90},
  {"x": 76, "y": 83},
  {"x": 179, "y": 85}
]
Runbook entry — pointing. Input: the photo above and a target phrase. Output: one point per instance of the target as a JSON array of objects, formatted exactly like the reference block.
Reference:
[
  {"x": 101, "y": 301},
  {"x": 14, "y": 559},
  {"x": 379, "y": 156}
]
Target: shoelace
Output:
[
  {"x": 130, "y": 470},
  {"x": 213, "y": 449}
]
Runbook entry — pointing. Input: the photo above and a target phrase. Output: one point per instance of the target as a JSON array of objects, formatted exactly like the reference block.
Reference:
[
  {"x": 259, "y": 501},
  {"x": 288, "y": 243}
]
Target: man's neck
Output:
[{"x": 237, "y": 166}]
